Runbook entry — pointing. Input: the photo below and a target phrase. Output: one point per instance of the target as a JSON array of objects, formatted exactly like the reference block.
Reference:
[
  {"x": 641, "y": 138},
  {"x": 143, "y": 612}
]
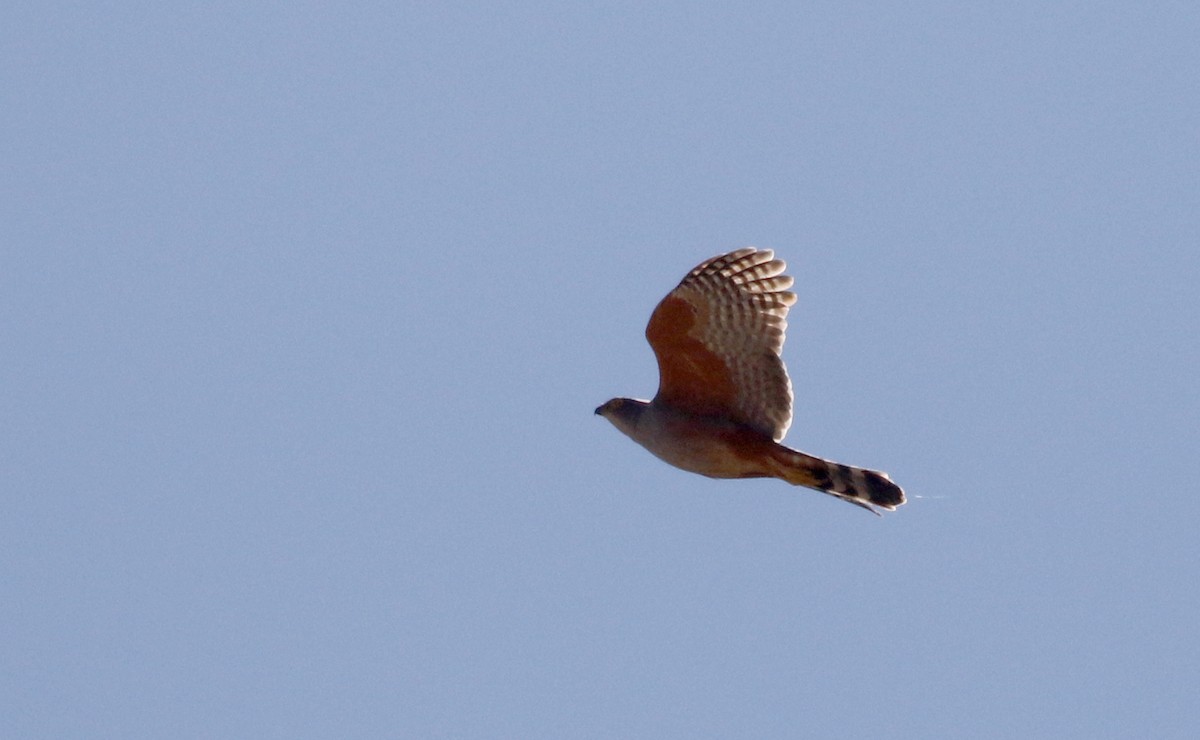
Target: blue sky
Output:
[{"x": 305, "y": 309}]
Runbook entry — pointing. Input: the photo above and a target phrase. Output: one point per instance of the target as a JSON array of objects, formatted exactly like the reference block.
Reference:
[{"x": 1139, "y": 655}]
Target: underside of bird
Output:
[{"x": 719, "y": 448}]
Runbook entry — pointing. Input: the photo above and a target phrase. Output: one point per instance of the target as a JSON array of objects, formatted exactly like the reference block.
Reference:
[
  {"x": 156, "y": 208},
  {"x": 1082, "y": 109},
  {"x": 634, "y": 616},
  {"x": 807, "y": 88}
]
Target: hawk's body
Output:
[{"x": 724, "y": 399}]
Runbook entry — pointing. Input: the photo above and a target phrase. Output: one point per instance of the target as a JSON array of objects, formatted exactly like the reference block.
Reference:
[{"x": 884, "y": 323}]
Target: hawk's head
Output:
[{"x": 623, "y": 412}]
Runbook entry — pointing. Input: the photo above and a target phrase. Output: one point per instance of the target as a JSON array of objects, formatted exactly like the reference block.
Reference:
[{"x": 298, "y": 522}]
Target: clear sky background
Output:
[{"x": 305, "y": 308}]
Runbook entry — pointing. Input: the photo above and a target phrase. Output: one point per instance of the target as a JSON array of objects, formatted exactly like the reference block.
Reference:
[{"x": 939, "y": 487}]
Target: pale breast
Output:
[{"x": 710, "y": 447}]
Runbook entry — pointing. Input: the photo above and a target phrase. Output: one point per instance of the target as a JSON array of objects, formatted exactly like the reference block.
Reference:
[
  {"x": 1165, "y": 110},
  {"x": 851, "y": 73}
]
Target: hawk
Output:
[{"x": 724, "y": 398}]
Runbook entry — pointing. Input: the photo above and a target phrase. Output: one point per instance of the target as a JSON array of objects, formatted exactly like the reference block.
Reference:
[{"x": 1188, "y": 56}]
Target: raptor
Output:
[{"x": 724, "y": 398}]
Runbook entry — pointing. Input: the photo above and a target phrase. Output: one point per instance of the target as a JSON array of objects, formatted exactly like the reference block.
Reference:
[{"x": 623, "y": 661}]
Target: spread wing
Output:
[{"x": 717, "y": 338}]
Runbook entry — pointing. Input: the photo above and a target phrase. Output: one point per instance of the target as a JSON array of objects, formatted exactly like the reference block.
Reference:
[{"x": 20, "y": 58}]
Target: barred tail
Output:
[{"x": 865, "y": 488}]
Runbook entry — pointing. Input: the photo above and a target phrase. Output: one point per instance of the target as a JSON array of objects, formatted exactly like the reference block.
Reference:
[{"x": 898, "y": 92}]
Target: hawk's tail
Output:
[{"x": 865, "y": 488}]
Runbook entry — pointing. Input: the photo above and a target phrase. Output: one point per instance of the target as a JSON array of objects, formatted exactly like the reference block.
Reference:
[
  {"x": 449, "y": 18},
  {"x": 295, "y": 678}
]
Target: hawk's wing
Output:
[{"x": 717, "y": 338}]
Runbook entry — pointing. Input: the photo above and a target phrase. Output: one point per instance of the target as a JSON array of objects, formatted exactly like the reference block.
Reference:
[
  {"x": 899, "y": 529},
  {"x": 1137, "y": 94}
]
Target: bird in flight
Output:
[{"x": 724, "y": 399}]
